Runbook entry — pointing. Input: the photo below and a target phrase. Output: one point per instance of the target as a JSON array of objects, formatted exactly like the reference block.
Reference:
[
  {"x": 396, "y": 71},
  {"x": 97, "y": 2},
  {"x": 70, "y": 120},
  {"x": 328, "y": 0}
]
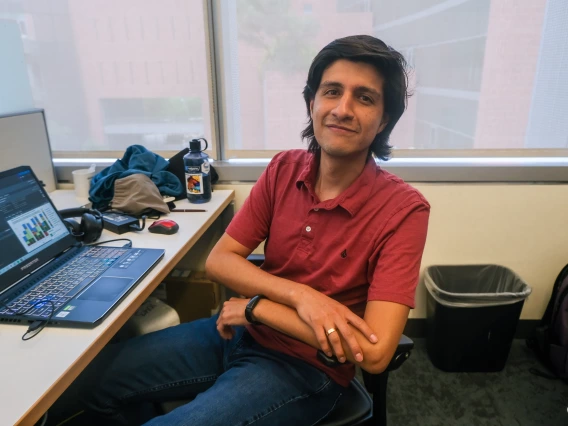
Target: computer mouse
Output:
[{"x": 163, "y": 226}]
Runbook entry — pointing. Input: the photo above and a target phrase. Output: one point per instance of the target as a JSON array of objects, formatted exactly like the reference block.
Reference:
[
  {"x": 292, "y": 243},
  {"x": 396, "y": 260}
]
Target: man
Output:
[{"x": 344, "y": 240}]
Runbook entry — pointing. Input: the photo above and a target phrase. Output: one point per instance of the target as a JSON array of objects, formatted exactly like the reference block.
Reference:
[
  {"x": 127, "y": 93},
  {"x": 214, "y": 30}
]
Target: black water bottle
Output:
[{"x": 197, "y": 173}]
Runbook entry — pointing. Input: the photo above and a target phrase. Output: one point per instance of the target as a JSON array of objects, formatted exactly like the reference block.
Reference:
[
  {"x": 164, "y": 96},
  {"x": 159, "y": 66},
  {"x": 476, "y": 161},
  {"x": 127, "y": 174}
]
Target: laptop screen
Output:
[{"x": 30, "y": 228}]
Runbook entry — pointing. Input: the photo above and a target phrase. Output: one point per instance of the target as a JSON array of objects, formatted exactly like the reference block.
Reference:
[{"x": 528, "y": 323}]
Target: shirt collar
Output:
[
  {"x": 354, "y": 197},
  {"x": 308, "y": 176}
]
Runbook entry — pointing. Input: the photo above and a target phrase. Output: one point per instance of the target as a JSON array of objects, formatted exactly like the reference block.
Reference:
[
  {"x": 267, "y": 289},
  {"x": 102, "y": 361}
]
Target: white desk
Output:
[{"x": 35, "y": 373}]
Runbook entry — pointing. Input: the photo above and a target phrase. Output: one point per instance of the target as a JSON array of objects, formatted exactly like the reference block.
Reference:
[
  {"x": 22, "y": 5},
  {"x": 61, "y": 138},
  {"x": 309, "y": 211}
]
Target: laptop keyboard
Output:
[{"x": 65, "y": 283}]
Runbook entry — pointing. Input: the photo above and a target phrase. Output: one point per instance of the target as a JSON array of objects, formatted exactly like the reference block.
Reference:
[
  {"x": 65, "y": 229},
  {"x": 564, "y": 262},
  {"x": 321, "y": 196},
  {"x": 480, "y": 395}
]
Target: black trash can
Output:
[{"x": 472, "y": 314}]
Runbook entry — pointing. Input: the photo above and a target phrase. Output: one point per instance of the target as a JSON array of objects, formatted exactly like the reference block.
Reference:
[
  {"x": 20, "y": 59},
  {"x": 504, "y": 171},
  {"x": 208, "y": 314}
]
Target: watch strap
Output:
[{"x": 250, "y": 306}]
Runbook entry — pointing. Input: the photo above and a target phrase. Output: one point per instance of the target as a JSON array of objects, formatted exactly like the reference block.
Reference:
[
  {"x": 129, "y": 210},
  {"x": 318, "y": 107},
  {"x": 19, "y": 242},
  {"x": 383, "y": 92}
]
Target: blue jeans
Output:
[{"x": 229, "y": 382}]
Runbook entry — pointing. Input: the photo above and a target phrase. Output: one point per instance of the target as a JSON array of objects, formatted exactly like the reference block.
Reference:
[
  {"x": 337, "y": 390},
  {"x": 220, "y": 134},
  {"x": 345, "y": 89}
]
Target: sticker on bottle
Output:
[
  {"x": 205, "y": 167},
  {"x": 194, "y": 183}
]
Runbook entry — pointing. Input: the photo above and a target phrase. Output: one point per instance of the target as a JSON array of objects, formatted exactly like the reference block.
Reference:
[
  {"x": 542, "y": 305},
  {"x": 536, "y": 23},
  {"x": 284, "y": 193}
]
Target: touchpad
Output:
[{"x": 106, "y": 289}]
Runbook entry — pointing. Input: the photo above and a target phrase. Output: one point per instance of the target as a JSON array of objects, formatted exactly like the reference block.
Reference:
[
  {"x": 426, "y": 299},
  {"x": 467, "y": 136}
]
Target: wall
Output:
[
  {"x": 15, "y": 91},
  {"x": 523, "y": 227}
]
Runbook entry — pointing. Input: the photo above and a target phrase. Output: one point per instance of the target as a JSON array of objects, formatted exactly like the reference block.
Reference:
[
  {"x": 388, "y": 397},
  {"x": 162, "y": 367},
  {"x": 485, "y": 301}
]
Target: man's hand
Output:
[
  {"x": 232, "y": 314},
  {"x": 327, "y": 318}
]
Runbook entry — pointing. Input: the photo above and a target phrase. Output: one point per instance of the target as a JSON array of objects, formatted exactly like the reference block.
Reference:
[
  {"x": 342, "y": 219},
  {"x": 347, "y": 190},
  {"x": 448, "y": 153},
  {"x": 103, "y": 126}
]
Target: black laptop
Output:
[{"x": 45, "y": 274}]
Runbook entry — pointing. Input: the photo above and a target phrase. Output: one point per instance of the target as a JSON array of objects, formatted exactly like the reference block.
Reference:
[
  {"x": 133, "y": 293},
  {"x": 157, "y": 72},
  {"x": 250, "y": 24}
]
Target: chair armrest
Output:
[
  {"x": 376, "y": 383},
  {"x": 401, "y": 354}
]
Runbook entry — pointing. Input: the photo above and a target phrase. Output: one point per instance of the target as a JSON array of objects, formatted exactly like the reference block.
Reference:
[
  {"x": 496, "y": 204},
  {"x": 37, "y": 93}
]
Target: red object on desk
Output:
[{"x": 163, "y": 226}]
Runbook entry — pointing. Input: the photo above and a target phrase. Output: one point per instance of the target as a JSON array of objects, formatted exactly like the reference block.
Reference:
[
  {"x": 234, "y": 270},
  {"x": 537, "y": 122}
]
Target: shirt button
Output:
[
  {"x": 308, "y": 228},
  {"x": 316, "y": 209}
]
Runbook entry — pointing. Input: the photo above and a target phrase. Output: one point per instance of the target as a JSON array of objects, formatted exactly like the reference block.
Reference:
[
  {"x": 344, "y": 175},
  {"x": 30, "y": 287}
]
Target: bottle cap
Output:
[{"x": 195, "y": 145}]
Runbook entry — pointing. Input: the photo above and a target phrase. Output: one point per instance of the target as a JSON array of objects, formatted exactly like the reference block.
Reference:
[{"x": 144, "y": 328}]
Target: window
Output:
[
  {"x": 486, "y": 74},
  {"x": 109, "y": 74}
]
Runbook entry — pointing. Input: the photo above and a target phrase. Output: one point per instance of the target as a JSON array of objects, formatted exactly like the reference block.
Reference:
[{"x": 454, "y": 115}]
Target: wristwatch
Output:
[{"x": 250, "y": 306}]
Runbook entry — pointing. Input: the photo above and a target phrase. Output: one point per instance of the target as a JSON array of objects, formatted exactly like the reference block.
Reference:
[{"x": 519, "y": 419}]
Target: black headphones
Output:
[{"x": 90, "y": 228}]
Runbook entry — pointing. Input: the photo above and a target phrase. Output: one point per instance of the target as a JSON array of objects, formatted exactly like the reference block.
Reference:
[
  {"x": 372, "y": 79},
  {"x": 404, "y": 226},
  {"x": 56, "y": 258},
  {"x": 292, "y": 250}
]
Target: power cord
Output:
[
  {"x": 68, "y": 419},
  {"x": 127, "y": 245},
  {"x": 38, "y": 325},
  {"x": 43, "y": 419}
]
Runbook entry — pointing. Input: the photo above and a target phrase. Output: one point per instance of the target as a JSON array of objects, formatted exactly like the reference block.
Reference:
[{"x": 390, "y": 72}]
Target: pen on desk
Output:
[{"x": 188, "y": 210}]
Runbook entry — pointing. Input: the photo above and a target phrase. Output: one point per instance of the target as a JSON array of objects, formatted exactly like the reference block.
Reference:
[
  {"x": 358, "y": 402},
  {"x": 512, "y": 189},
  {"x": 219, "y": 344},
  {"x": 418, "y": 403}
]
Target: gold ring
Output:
[{"x": 331, "y": 330}]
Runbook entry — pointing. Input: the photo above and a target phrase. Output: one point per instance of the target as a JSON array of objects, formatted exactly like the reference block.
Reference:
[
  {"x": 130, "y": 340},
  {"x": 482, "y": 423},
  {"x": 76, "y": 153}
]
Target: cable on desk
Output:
[
  {"x": 38, "y": 325},
  {"x": 127, "y": 245}
]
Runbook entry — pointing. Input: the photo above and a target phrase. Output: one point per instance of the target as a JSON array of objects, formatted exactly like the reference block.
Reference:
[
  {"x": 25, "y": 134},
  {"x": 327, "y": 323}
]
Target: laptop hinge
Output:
[
  {"x": 6, "y": 290},
  {"x": 25, "y": 277},
  {"x": 41, "y": 266}
]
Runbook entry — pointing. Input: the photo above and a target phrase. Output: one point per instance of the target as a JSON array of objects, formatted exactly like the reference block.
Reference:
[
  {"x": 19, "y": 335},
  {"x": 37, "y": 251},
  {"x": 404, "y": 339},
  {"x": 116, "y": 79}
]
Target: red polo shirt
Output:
[{"x": 365, "y": 244}]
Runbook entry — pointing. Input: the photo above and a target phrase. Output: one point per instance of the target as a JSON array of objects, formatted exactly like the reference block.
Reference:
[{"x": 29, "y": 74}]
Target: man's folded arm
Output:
[
  {"x": 227, "y": 264},
  {"x": 386, "y": 319}
]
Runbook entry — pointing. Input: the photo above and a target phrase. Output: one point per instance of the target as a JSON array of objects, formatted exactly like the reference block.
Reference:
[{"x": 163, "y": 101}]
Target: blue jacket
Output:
[{"x": 136, "y": 159}]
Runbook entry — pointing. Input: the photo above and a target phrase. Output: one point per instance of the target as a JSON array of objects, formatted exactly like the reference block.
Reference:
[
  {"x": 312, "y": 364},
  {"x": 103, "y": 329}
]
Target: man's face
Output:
[{"x": 348, "y": 109}]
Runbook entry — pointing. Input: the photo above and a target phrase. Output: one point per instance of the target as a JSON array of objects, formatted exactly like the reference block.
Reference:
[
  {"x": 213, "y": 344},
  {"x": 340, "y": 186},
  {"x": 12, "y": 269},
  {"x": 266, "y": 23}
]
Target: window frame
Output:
[{"x": 413, "y": 165}]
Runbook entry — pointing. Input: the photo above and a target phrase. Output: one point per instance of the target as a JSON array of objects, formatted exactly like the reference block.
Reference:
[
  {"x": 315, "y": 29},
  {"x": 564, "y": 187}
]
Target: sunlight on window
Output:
[{"x": 109, "y": 74}]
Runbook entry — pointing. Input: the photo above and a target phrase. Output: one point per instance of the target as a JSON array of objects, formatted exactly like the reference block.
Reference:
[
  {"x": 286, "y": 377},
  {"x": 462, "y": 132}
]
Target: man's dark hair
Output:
[{"x": 388, "y": 62}]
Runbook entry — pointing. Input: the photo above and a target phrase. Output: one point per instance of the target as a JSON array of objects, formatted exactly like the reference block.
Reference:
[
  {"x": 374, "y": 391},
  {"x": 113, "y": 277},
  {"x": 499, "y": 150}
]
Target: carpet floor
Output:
[{"x": 420, "y": 394}]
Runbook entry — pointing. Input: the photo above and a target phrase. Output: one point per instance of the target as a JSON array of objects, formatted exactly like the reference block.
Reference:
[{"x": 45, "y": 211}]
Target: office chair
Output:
[{"x": 359, "y": 405}]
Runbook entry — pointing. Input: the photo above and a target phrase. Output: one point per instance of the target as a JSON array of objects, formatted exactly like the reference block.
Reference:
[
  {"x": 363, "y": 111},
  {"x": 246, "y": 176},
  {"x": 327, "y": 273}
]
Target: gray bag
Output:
[{"x": 137, "y": 195}]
